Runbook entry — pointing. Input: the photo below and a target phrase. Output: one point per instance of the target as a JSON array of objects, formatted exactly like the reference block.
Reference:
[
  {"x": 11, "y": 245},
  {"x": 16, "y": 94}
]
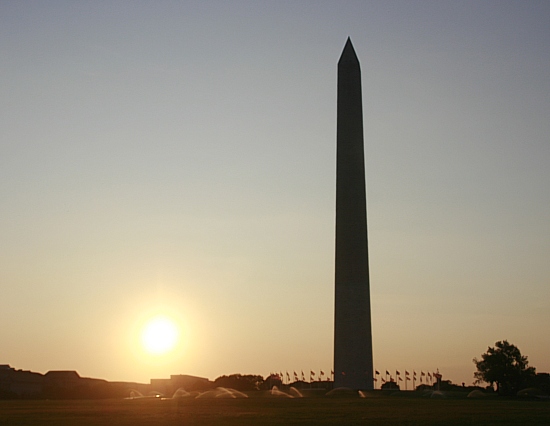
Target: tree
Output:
[
  {"x": 504, "y": 366},
  {"x": 391, "y": 385},
  {"x": 240, "y": 382}
]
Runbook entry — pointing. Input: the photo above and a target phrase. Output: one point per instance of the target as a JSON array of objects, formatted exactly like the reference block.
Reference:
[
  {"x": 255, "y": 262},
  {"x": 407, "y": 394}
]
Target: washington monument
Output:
[{"x": 353, "y": 367}]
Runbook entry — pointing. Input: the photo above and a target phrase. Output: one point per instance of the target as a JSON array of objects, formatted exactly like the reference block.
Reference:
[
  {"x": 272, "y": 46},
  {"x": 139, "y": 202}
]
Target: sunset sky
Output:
[{"x": 177, "y": 158}]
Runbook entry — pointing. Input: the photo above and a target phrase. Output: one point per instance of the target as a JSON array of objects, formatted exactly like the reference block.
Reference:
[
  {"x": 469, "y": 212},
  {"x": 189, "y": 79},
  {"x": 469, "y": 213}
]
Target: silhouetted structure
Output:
[
  {"x": 353, "y": 366},
  {"x": 60, "y": 385},
  {"x": 190, "y": 383},
  {"x": 18, "y": 383},
  {"x": 390, "y": 385}
]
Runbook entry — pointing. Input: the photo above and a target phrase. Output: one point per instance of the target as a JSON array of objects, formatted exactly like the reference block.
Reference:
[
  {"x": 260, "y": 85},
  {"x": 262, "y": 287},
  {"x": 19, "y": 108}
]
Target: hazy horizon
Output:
[{"x": 179, "y": 158}]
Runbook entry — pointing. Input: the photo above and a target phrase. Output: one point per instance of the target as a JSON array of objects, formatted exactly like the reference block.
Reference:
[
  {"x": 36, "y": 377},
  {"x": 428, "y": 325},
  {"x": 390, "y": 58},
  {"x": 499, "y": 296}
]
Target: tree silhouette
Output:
[
  {"x": 504, "y": 366},
  {"x": 240, "y": 382}
]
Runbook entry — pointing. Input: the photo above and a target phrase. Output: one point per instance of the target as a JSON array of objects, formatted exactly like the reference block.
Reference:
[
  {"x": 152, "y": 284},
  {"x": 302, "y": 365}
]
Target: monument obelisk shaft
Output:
[{"x": 353, "y": 367}]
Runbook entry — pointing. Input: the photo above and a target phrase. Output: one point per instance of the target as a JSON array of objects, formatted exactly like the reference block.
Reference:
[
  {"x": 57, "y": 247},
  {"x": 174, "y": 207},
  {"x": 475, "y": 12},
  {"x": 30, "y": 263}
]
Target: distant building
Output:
[
  {"x": 54, "y": 384},
  {"x": 169, "y": 386},
  {"x": 67, "y": 384},
  {"x": 390, "y": 385},
  {"x": 62, "y": 378},
  {"x": 18, "y": 383}
]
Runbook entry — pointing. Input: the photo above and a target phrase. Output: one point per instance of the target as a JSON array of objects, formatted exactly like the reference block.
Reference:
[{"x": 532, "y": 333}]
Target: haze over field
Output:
[{"x": 176, "y": 160}]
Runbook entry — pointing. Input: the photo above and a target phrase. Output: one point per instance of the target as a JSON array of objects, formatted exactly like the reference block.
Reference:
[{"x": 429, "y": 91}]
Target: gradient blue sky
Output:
[{"x": 179, "y": 157}]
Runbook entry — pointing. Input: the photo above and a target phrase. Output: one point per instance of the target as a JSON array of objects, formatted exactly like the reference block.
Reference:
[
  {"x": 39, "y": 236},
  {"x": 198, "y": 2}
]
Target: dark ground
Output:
[{"x": 377, "y": 410}]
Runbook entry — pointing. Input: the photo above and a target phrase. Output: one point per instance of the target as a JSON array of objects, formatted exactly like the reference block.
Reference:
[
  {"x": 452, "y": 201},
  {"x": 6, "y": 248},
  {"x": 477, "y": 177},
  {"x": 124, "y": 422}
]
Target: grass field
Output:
[{"x": 382, "y": 410}]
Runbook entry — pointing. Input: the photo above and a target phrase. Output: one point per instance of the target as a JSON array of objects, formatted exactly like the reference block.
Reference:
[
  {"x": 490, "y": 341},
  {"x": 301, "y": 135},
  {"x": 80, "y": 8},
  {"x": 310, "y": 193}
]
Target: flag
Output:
[
  {"x": 409, "y": 379},
  {"x": 400, "y": 379},
  {"x": 312, "y": 373},
  {"x": 376, "y": 372},
  {"x": 375, "y": 379},
  {"x": 383, "y": 381},
  {"x": 303, "y": 377},
  {"x": 406, "y": 373},
  {"x": 414, "y": 373},
  {"x": 397, "y": 373},
  {"x": 422, "y": 373},
  {"x": 322, "y": 373},
  {"x": 387, "y": 373}
]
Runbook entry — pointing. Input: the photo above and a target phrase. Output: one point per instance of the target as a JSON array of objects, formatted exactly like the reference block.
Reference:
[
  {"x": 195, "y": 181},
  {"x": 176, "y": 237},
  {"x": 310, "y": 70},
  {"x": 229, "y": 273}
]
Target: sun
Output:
[{"x": 159, "y": 335}]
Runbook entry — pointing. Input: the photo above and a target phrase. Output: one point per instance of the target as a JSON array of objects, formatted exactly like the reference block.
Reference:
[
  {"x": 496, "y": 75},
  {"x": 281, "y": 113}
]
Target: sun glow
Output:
[{"x": 160, "y": 335}]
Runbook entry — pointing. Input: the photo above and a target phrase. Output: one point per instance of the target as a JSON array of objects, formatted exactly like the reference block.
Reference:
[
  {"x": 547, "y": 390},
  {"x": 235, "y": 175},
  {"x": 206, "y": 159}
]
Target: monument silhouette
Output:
[{"x": 353, "y": 366}]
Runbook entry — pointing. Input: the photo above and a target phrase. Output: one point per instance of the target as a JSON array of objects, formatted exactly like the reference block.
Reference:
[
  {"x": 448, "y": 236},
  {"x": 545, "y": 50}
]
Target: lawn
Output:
[{"x": 378, "y": 410}]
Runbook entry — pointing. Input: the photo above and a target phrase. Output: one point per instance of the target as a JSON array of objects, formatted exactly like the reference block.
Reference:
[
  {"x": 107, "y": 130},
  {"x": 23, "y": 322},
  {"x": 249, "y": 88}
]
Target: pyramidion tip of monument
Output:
[{"x": 348, "y": 54}]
